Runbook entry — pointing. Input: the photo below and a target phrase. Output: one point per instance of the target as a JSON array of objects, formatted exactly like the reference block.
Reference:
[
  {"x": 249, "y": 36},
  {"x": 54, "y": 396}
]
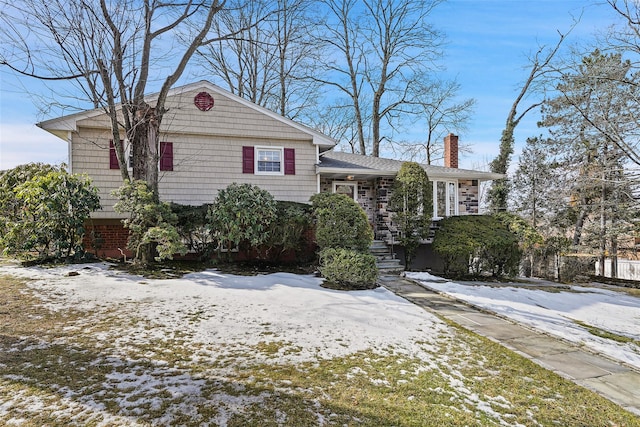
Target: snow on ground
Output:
[
  {"x": 224, "y": 308},
  {"x": 556, "y": 313},
  {"x": 221, "y": 320}
]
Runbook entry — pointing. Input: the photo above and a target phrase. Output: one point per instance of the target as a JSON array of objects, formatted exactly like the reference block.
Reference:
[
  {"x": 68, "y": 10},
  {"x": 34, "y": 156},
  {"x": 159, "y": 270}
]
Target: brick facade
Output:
[
  {"x": 451, "y": 151},
  {"x": 106, "y": 238}
]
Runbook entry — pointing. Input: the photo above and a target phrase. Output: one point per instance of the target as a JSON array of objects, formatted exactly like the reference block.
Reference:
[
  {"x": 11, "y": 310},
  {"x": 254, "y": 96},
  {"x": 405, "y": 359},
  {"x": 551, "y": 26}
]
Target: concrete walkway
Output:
[{"x": 610, "y": 379}]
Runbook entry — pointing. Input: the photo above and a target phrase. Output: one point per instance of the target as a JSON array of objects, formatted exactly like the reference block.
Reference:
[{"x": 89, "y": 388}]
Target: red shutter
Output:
[
  {"x": 289, "y": 161},
  {"x": 247, "y": 159},
  {"x": 166, "y": 156},
  {"x": 113, "y": 157}
]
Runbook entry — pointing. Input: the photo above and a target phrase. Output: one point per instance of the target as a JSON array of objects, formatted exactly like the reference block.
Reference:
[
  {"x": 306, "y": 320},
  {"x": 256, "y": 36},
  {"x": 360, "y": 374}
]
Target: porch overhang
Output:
[
  {"x": 351, "y": 167},
  {"x": 356, "y": 174}
]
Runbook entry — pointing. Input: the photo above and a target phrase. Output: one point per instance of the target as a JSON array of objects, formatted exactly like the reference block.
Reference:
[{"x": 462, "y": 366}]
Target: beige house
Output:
[{"x": 211, "y": 138}]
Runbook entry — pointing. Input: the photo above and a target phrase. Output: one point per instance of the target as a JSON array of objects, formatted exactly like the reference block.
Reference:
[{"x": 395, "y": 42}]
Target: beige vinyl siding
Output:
[
  {"x": 204, "y": 166},
  {"x": 226, "y": 118},
  {"x": 207, "y": 153},
  {"x": 90, "y": 155}
]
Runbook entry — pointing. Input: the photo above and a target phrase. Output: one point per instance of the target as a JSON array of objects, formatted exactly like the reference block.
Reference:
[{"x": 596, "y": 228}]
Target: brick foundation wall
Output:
[{"x": 106, "y": 238}]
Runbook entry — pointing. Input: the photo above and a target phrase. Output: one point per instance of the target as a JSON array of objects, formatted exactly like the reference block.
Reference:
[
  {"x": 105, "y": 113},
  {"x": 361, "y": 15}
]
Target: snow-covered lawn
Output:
[
  {"x": 238, "y": 312},
  {"x": 92, "y": 345},
  {"x": 565, "y": 313}
]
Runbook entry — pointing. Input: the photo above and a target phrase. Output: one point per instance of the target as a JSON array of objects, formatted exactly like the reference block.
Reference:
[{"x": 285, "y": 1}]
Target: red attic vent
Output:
[{"x": 203, "y": 101}]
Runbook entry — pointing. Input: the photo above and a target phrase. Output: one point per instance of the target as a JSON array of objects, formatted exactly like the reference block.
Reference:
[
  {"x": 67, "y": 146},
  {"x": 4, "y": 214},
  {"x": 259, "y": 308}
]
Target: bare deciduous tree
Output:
[
  {"x": 376, "y": 50},
  {"x": 436, "y": 105},
  {"x": 113, "y": 51},
  {"x": 268, "y": 59},
  {"x": 541, "y": 66}
]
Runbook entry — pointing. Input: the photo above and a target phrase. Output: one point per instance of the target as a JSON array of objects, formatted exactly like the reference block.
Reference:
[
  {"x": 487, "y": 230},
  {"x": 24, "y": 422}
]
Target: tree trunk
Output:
[
  {"x": 582, "y": 216},
  {"x": 614, "y": 257},
  {"x": 375, "y": 126},
  {"x": 145, "y": 146},
  {"x": 145, "y": 151},
  {"x": 603, "y": 227}
]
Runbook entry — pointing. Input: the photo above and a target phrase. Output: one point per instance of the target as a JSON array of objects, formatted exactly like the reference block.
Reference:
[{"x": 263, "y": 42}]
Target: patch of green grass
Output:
[
  {"x": 593, "y": 330},
  {"x": 56, "y": 374}
]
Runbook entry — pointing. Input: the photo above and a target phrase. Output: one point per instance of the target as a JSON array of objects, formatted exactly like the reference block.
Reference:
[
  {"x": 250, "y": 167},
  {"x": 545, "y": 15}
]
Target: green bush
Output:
[
  {"x": 340, "y": 222},
  {"x": 577, "y": 268},
  {"x": 287, "y": 232},
  {"x": 349, "y": 268},
  {"x": 411, "y": 203},
  {"x": 193, "y": 228},
  {"x": 477, "y": 244},
  {"x": 45, "y": 213},
  {"x": 151, "y": 224},
  {"x": 241, "y": 215},
  {"x": 10, "y": 205}
]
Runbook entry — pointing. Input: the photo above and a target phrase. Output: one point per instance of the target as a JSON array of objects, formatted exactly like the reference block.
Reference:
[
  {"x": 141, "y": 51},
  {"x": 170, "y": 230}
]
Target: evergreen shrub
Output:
[
  {"x": 288, "y": 231},
  {"x": 43, "y": 209},
  {"x": 411, "y": 203},
  {"x": 344, "y": 237},
  {"x": 193, "y": 228},
  {"x": 240, "y": 217},
  {"x": 151, "y": 223},
  {"x": 348, "y": 268},
  {"x": 340, "y": 222},
  {"x": 475, "y": 245}
]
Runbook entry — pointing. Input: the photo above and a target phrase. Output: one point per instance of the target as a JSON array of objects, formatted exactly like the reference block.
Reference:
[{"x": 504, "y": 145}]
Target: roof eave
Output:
[
  {"x": 354, "y": 171},
  {"x": 465, "y": 174}
]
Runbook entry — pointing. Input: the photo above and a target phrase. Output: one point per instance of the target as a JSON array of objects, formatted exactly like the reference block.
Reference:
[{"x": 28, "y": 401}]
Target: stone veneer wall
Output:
[
  {"x": 365, "y": 194},
  {"x": 373, "y": 197},
  {"x": 468, "y": 191},
  {"x": 384, "y": 229}
]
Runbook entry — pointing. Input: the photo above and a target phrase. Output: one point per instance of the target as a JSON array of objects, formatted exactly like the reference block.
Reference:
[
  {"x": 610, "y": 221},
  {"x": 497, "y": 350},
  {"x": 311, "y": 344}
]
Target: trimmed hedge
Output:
[
  {"x": 349, "y": 268},
  {"x": 344, "y": 237},
  {"x": 341, "y": 222},
  {"x": 475, "y": 245}
]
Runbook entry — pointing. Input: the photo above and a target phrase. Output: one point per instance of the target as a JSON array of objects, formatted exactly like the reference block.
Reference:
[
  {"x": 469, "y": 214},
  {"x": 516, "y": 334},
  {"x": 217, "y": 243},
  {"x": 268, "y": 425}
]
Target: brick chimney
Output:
[{"x": 451, "y": 151}]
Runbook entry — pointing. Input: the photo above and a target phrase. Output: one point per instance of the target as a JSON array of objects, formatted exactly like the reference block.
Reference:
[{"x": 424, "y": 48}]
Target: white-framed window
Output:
[
  {"x": 269, "y": 161},
  {"x": 445, "y": 199},
  {"x": 349, "y": 188}
]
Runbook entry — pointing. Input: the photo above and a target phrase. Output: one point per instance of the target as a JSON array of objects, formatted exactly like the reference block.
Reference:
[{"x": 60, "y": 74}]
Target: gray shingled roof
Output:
[{"x": 334, "y": 163}]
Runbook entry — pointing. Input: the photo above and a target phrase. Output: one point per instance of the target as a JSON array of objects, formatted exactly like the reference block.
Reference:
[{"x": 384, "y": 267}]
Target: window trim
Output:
[
  {"x": 353, "y": 184},
  {"x": 256, "y": 159},
  {"x": 128, "y": 153},
  {"x": 447, "y": 200}
]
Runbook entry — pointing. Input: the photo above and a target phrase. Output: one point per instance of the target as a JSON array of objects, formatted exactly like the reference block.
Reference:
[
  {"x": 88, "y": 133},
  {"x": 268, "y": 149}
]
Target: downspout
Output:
[{"x": 317, "y": 170}]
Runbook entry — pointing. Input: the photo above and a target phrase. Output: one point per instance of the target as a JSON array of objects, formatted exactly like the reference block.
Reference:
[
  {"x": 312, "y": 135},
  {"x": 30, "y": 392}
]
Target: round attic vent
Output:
[{"x": 203, "y": 101}]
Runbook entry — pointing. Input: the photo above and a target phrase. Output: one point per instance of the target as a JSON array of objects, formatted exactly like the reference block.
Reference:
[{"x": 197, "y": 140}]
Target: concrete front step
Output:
[
  {"x": 385, "y": 259},
  {"x": 393, "y": 264}
]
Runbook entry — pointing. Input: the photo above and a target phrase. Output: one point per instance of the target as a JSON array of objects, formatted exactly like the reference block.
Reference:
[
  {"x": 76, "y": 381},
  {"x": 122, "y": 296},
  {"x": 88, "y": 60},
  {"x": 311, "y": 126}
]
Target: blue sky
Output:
[{"x": 488, "y": 45}]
